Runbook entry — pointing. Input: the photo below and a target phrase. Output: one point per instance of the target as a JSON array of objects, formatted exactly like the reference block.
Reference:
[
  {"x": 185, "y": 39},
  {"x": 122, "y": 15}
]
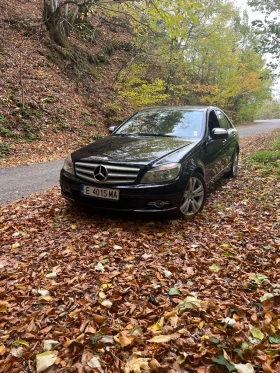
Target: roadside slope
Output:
[{"x": 53, "y": 99}]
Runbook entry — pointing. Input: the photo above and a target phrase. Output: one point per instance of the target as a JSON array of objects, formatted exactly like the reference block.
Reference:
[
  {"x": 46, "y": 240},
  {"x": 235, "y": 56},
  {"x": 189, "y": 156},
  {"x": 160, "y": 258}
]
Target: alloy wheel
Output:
[{"x": 194, "y": 196}]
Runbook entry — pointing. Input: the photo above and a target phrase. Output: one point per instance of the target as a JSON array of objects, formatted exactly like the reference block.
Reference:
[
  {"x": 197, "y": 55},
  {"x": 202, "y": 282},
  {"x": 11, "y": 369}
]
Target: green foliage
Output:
[
  {"x": 237, "y": 72},
  {"x": 183, "y": 61},
  {"x": 274, "y": 339},
  {"x": 141, "y": 90},
  {"x": 88, "y": 120},
  {"x": 179, "y": 53},
  {"x": 175, "y": 17},
  {"x": 6, "y": 132},
  {"x": 222, "y": 361},
  {"x": 270, "y": 159},
  {"x": 29, "y": 132},
  {"x": 4, "y": 149},
  {"x": 264, "y": 6},
  {"x": 266, "y": 156},
  {"x": 269, "y": 110},
  {"x": 267, "y": 30}
]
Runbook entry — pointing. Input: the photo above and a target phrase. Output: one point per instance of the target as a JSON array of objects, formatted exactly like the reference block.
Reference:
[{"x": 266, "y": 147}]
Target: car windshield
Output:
[{"x": 179, "y": 123}]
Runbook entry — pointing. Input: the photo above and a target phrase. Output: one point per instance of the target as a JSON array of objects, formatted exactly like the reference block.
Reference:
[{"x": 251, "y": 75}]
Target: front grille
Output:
[{"x": 113, "y": 174}]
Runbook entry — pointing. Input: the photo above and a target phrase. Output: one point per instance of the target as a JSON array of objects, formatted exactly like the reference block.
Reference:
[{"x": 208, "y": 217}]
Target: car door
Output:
[
  {"x": 214, "y": 151},
  {"x": 229, "y": 143}
]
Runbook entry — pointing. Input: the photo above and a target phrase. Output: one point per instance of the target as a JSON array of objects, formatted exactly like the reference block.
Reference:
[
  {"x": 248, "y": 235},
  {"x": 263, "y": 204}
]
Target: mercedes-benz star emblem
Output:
[{"x": 100, "y": 173}]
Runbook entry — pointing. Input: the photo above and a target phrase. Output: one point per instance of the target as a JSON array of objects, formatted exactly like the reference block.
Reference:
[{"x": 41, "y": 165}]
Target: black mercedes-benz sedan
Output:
[{"x": 160, "y": 160}]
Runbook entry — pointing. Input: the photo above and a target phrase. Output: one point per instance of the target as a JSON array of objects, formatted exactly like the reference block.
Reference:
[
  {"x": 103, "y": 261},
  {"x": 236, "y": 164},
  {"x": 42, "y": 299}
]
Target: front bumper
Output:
[{"x": 152, "y": 198}]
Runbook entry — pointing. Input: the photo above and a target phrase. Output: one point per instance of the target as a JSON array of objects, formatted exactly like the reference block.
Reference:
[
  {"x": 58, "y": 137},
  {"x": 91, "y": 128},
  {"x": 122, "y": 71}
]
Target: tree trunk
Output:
[{"x": 55, "y": 23}]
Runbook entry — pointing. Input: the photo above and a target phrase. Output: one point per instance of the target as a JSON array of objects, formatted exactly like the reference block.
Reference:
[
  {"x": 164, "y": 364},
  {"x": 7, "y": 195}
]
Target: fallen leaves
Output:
[
  {"x": 45, "y": 360},
  {"x": 244, "y": 368},
  {"x": 188, "y": 303},
  {"x": 163, "y": 338},
  {"x": 121, "y": 295},
  {"x": 256, "y": 333},
  {"x": 136, "y": 364},
  {"x": 124, "y": 339}
]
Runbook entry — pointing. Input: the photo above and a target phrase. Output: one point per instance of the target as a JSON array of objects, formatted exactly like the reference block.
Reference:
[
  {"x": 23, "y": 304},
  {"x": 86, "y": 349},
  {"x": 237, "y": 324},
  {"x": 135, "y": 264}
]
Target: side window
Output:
[
  {"x": 229, "y": 122},
  {"x": 224, "y": 123},
  {"x": 212, "y": 121}
]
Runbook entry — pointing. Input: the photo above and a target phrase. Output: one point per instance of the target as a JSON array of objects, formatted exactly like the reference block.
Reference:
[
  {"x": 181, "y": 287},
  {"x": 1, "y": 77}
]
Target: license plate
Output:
[{"x": 104, "y": 193}]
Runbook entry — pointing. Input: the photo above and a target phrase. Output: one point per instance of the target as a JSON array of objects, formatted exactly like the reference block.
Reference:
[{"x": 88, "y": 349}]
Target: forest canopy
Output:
[{"x": 193, "y": 52}]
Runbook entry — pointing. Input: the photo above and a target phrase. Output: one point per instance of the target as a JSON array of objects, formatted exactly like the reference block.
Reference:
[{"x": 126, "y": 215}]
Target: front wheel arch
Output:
[{"x": 194, "y": 196}]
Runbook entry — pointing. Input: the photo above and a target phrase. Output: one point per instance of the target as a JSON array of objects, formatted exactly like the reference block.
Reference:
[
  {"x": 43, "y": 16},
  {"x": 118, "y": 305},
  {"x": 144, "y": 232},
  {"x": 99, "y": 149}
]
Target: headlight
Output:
[
  {"x": 162, "y": 173},
  {"x": 68, "y": 165}
]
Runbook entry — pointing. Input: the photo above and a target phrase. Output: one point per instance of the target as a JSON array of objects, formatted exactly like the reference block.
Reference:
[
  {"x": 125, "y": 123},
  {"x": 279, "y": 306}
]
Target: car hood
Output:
[{"x": 136, "y": 149}]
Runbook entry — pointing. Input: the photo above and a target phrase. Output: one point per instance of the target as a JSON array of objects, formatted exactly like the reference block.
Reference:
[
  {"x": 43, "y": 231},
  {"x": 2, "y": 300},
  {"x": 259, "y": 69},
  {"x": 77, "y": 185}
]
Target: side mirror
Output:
[
  {"x": 219, "y": 133},
  {"x": 112, "y": 129}
]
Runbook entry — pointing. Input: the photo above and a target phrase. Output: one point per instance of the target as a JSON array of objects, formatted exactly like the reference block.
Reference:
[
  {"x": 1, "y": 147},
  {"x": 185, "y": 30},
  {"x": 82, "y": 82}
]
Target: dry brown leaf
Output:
[{"x": 163, "y": 338}]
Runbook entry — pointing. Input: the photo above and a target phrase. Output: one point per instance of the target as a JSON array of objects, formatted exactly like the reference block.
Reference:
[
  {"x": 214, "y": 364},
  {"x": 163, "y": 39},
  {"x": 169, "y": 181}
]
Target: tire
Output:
[
  {"x": 234, "y": 166},
  {"x": 194, "y": 196}
]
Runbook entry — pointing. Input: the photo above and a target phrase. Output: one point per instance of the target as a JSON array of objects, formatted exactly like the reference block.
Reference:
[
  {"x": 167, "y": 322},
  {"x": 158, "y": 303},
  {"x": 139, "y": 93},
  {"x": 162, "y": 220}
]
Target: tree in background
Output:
[
  {"x": 208, "y": 58},
  {"x": 268, "y": 30},
  {"x": 181, "y": 52},
  {"x": 239, "y": 72},
  {"x": 60, "y": 16}
]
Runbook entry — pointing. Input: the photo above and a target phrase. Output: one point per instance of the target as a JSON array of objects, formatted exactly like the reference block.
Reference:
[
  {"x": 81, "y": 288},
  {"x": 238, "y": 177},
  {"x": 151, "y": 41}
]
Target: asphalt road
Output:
[{"x": 17, "y": 182}]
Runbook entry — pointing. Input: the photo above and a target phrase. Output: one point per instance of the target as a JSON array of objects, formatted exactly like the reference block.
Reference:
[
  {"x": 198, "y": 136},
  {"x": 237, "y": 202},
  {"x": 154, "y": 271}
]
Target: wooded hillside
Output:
[{"x": 114, "y": 58}]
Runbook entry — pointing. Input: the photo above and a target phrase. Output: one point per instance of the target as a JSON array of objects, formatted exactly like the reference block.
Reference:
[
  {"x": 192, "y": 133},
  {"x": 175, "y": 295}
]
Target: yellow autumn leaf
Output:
[
  {"x": 161, "y": 338},
  {"x": 214, "y": 268},
  {"x": 257, "y": 333},
  {"x": 171, "y": 314},
  {"x": 104, "y": 287},
  {"x": 15, "y": 245},
  {"x": 4, "y": 307},
  {"x": 45, "y": 299},
  {"x": 182, "y": 357},
  {"x": 158, "y": 325},
  {"x": 188, "y": 303},
  {"x": 45, "y": 360},
  {"x": 219, "y": 326},
  {"x": 2, "y": 350},
  {"x": 73, "y": 226},
  {"x": 160, "y": 234},
  {"x": 21, "y": 287},
  {"x": 205, "y": 337},
  {"x": 136, "y": 364},
  {"x": 21, "y": 342},
  {"x": 102, "y": 295},
  {"x": 201, "y": 324}
]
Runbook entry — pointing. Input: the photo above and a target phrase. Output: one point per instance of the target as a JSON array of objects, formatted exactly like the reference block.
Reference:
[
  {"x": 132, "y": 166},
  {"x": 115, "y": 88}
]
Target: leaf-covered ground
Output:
[
  {"x": 102, "y": 293},
  {"x": 47, "y": 108}
]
